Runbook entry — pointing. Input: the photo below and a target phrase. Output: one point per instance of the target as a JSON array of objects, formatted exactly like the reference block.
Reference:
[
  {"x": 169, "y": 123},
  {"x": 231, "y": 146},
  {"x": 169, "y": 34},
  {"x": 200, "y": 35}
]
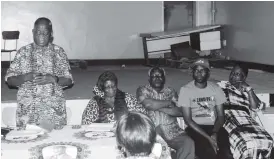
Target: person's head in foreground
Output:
[
  {"x": 200, "y": 70},
  {"x": 136, "y": 134},
  {"x": 238, "y": 74},
  {"x": 157, "y": 78},
  {"x": 42, "y": 31},
  {"x": 107, "y": 83}
]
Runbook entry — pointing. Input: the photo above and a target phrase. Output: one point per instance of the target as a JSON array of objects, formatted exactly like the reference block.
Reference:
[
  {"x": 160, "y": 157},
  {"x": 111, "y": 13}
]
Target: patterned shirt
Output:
[
  {"x": 247, "y": 138},
  {"x": 40, "y": 102},
  {"x": 168, "y": 124}
]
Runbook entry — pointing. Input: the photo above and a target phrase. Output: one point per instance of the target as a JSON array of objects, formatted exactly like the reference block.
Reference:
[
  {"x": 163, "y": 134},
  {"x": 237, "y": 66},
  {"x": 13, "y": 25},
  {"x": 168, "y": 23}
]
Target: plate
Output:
[
  {"x": 23, "y": 135},
  {"x": 21, "y": 138},
  {"x": 99, "y": 134}
]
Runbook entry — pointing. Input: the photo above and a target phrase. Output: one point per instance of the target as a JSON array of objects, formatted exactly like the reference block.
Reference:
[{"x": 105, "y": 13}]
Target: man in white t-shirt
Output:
[{"x": 202, "y": 106}]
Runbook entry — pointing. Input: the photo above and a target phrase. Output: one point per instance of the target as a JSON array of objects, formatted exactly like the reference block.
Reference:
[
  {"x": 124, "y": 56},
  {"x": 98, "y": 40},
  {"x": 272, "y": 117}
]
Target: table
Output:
[
  {"x": 158, "y": 43},
  {"x": 72, "y": 141},
  {"x": 76, "y": 145}
]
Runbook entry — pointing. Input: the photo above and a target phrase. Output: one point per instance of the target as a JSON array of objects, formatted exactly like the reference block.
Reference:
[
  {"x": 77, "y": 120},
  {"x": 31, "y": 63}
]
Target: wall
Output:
[
  {"x": 178, "y": 14},
  {"x": 249, "y": 31},
  {"x": 202, "y": 13},
  {"x": 88, "y": 30}
]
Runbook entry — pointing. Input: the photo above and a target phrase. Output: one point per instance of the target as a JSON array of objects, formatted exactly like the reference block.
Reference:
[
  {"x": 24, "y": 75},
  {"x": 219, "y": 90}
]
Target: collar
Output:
[
  {"x": 35, "y": 46},
  {"x": 151, "y": 88}
]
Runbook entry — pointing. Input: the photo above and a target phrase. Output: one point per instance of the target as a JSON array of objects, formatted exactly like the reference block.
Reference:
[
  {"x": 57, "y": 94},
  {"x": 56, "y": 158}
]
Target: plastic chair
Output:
[{"x": 10, "y": 35}]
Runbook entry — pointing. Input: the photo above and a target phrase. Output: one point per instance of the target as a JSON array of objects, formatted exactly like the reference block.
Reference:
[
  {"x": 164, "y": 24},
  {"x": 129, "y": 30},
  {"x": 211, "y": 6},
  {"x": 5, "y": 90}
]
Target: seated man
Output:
[
  {"x": 136, "y": 138},
  {"x": 248, "y": 138},
  {"x": 202, "y": 106},
  {"x": 160, "y": 102}
]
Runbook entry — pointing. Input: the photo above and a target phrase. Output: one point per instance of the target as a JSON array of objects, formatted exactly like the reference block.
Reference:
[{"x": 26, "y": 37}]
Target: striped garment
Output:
[{"x": 247, "y": 138}]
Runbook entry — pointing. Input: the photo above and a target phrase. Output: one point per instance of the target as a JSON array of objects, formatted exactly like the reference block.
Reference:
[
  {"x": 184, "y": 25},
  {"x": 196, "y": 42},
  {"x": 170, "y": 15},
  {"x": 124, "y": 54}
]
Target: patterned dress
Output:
[
  {"x": 168, "y": 124},
  {"x": 40, "y": 102},
  {"x": 92, "y": 112},
  {"x": 247, "y": 138}
]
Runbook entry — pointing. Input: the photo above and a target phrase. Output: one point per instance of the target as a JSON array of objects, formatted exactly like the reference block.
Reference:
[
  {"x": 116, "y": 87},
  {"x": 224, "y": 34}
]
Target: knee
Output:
[{"x": 190, "y": 142}]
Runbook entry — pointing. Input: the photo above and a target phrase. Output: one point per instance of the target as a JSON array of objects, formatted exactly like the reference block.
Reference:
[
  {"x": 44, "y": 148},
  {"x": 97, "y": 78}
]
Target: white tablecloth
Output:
[{"x": 103, "y": 148}]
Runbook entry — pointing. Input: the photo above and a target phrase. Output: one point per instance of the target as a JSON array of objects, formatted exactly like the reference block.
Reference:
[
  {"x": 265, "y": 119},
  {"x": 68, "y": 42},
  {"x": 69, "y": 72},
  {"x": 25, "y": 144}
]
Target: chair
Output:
[
  {"x": 8, "y": 111},
  {"x": 10, "y": 35}
]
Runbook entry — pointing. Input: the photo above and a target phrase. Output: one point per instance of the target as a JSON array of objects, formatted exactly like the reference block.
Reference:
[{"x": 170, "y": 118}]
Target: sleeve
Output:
[
  {"x": 174, "y": 95},
  {"x": 133, "y": 105},
  {"x": 261, "y": 105},
  {"x": 220, "y": 95},
  {"x": 15, "y": 67},
  {"x": 184, "y": 99},
  {"x": 222, "y": 84},
  {"x": 91, "y": 113},
  {"x": 62, "y": 65},
  {"x": 141, "y": 94}
]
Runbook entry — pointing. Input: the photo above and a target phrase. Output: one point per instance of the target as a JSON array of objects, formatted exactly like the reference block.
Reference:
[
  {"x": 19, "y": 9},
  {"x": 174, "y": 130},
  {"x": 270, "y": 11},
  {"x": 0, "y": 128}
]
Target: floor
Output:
[{"x": 131, "y": 77}]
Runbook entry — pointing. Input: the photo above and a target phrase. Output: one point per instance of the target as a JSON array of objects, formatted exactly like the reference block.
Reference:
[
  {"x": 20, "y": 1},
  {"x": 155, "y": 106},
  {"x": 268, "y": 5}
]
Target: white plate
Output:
[
  {"x": 21, "y": 138},
  {"x": 23, "y": 135},
  {"x": 97, "y": 134}
]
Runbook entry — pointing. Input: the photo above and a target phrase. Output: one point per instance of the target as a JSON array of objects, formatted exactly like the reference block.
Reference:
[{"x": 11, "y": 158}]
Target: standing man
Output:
[
  {"x": 202, "y": 107},
  {"x": 40, "y": 71},
  {"x": 161, "y": 104}
]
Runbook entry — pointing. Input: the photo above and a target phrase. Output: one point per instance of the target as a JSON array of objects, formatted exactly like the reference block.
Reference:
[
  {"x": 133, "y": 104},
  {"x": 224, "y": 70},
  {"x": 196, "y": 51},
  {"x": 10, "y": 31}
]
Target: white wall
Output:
[
  {"x": 249, "y": 30},
  {"x": 178, "y": 16},
  {"x": 202, "y": 13},
  {"x": 88, "y": 30}
]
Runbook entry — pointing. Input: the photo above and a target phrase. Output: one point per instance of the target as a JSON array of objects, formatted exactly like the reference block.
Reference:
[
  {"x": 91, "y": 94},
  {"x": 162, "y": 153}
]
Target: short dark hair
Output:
[
  {"x": 136, "y": 133},
  {"x": 106, "y": 76},
  {"x": 243, "y": 67},
  {"x": 150, "y": 71},
  {"x": 43, "y": 19}
]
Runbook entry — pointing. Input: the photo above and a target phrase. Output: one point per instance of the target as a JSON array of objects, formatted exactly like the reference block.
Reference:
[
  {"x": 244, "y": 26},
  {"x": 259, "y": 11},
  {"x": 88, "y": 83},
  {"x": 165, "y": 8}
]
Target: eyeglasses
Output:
[
  {"x": 156, "y": 76},
  {"x": 199, "y": 71},
  {"x": 236, "y": 73}
]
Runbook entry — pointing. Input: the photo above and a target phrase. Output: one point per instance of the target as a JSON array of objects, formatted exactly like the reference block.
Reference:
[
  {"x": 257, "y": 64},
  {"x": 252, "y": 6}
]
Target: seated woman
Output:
[
  {"x": 246, "y": 137},
  {"x": 109, "y": 103},
  {"x": 137, "y": 139}
]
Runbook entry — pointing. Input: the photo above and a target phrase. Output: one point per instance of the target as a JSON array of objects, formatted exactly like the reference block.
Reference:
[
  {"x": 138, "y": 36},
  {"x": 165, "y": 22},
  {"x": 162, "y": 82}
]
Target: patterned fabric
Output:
[
  {"x": 40, "y": 102},
  {"x": 93, "y": 110},
  {"x": 247, "y": 138},
  {"x": 167, "y": 123},
  {"x": 37, "y": 152},
  {"x": 120, "y": 107},
  {"x": 235, "y": 96}
]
